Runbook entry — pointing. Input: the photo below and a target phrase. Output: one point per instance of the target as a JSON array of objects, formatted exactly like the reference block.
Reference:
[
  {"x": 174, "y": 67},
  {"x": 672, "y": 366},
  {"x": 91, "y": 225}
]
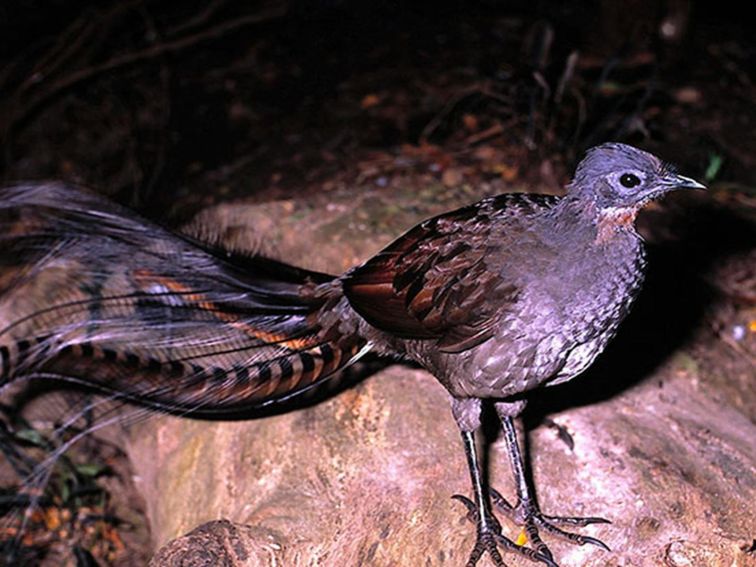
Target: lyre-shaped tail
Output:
[{"x": 91, "y": 292}]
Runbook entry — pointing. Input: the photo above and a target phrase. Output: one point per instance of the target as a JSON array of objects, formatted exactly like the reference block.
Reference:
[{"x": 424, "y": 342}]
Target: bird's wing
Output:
[{"x": 438, "y": 281}]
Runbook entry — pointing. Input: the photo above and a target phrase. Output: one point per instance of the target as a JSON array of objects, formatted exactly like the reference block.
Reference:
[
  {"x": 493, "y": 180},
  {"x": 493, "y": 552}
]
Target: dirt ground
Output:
[{"x": 176, "y": 107}]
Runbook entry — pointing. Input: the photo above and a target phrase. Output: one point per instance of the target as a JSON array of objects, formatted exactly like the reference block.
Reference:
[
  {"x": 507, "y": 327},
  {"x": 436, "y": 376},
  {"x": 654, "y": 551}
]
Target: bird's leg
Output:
[
  {"x": 487, "y": 525},
  {"x": 526, "y": 511},
  {"x": 489, "y": 537},
  {"x": 467, "y": 414}
]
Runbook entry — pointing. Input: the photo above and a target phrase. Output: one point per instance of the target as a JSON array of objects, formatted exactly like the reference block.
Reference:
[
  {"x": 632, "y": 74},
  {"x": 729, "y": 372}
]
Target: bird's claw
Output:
[
  {"x": 485, "y": 542},
  {"x": 488, "y": 532},
  {"x": 472, "y": 515},
  {"x": 490, "y": 539},
  {"x": 532, "y": 519}
]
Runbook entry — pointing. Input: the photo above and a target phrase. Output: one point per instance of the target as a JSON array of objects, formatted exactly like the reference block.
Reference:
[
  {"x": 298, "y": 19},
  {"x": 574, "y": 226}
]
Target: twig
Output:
[
  {"x": 640, "y": 105},
  {"x": 196, "y": 20},
  {"x": 491, "y": 132},
  {"x": 138, "y": 56},
  {"x": 436, "y": 121},
  {"x": 149, "y": 181},
  {"x": 567, "y": 74},
  {"x": 479, "y": 88},
  {"x": 66, "y": 45},
  {"x": 582, "y": 115}
]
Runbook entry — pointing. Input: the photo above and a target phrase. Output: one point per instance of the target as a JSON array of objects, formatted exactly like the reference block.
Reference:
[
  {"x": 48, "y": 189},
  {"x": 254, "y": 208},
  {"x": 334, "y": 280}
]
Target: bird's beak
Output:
[{"x": 675, "y": 181}]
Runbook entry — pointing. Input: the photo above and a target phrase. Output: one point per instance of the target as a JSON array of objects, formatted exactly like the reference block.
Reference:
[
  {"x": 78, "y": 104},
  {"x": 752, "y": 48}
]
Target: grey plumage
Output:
[{"x": 513, "y": 293}]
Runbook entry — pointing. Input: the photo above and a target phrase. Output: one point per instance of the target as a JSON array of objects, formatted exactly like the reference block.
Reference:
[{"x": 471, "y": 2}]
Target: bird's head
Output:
[{"x": 618, "y": 176}]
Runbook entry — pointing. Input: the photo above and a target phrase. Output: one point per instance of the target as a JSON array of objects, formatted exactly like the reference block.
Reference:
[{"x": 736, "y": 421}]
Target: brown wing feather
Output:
[
  {"x": 437, "y": 281},
  {"x": 372, "y": 291}
]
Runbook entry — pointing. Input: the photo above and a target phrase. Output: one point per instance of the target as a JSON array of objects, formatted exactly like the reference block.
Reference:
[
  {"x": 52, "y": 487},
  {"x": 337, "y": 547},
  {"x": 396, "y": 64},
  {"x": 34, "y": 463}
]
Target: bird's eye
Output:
[{"x": 629, "y": 180}]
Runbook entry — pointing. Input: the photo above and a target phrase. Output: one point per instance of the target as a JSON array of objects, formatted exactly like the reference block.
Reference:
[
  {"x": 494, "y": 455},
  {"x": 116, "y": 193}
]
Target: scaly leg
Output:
[
  {"x": 526, "y": 511},
  {"x": 489, "y": 537},
  {"x": 487, "y": 525}
]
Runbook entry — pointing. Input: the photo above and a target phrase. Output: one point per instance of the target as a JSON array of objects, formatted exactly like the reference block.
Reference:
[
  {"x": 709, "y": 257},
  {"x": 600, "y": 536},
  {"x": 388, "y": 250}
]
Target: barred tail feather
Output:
[
  {"x": 200, "y": 389},
  {"x": 91, "y": 292}
]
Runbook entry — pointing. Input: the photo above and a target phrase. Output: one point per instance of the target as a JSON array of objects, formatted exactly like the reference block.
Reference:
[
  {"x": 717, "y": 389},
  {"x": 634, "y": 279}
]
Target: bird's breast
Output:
[{"x": 562, "y": 320}]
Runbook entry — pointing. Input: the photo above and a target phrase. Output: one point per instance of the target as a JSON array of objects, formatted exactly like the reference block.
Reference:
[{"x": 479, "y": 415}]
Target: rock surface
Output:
[{"x": 365, "y": 477}]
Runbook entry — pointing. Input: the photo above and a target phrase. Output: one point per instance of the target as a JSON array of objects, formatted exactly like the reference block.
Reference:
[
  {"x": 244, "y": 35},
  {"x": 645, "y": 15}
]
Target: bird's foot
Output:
[
  {"x": 530, "y": 517},
  {"x": 489, "y": 539}
]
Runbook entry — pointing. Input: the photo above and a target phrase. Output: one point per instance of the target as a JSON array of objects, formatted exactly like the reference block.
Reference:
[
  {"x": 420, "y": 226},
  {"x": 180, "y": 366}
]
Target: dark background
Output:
[
  {"x": 167, "y": 104},
  {"x": 170, "y": 107}
]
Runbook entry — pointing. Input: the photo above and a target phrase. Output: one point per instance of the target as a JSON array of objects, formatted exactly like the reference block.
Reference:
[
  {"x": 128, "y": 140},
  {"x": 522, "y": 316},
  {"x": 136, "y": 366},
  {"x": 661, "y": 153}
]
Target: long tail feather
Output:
[
  {"x": 93, "y": 295},
  {"x": 90, "y": 291}
]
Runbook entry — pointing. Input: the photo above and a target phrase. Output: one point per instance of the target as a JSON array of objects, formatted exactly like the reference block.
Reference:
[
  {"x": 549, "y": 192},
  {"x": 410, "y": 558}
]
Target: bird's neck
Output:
[{"x": 603, "y": 225}]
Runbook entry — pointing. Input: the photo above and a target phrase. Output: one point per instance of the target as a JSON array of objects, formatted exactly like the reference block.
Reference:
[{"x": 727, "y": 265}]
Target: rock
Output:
[
  {"x": 344, "y": 482},
  {"x": 218, "y": 543},
  {"x": 365, "y": 477}
]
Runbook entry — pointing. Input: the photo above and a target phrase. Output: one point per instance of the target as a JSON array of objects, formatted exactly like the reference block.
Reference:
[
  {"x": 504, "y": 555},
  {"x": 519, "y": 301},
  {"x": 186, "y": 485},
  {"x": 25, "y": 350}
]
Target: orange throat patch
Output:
[{"x": 614, "y": 220}]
